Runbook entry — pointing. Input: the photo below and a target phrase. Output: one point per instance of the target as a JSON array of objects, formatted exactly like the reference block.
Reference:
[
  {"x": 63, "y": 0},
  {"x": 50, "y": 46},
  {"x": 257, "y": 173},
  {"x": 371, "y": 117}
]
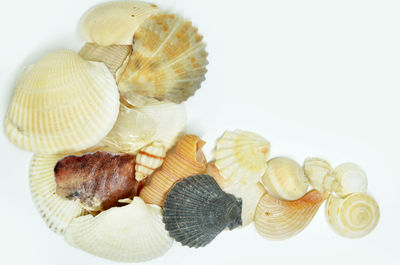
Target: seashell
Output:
[
  {"x": 168, "y": 61},
  {"x": 62, "y": 104},
  {"x": 278, "y": 220},
  {"x": 353, "y": 216},
  {"x": 196, "y": 210},
  {"x": 187, "y": 159},
  {"x": 242, "y": 156},
  {"x": 149, "y": 159},
  {"x": 319, "y": 174},
  {"x": 55, "y": 211},
  {"x": 285, "y": 179},
  {"x": 250, "y": 194},
  {"x": 115, "y": 22},
  {"x": 115, "y": 57},
  {"x": 97, "y": 180},
  {"x": 131, "y": 233},
  {"x": 350, "y": 178}
]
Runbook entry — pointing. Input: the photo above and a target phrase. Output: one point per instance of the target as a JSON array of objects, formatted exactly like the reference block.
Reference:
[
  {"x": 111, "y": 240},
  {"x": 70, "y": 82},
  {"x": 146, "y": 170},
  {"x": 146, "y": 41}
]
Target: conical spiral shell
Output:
[
  {"x": 277, "y": 219},
  {"x": 353, "y": 216},
  {"x": 149, "y": 159},
  {"x": 242, "y": 156},
  {"x": 131, "y": 233},
  {"x": 196, "y": 210},
  {"x": 115, "y": 22},
  {"x": 320, "y": 174},
  {"x": 350, "y": 178},
  {"x": 187, "y": 159},
  {"x": 62, "y": 104},
  {"x": 57, "y": 212},
  {"x": 168, "y": 61}
]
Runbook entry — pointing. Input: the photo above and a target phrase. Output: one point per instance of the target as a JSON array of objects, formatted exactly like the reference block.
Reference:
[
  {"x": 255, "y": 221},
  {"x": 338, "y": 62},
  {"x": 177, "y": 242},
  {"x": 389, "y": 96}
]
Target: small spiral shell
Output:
[
  {"x": 149, "y": 159},
  {"x": 319, "y": 174},
  {"x": 350, "y": 178}
]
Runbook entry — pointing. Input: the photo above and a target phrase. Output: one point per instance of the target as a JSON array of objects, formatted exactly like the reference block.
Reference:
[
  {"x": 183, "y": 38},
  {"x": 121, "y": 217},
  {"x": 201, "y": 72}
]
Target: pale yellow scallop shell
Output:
[
  {"x": 320, "y": 174},
  {"x": 148, "y": 159},
  {"x": 350, "y": 178}
]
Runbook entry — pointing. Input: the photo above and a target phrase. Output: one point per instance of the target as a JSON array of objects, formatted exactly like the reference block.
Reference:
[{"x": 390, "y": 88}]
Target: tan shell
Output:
[
  {"x": 350, "y": 178},
  {"x": 320, "y": 174},
  {"x": 149, "y": 159}
]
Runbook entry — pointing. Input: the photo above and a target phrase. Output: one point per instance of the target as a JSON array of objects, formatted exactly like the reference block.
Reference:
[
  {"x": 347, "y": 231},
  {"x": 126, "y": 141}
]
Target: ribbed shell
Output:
[
  {"x": 131, "y": 233},
  {"x": 242, "y": 156},
  {"x": 115, "y": 22},
  {"x": 149, "y": 159},
  {"x": 57, "y": 212},
  {"x": 62, "y": 104},
  {"x": 320, "y": 174},
  {"x": 168, "y": 61},
  {"x": 353, "y": 216},
  {"x": 350, "y": 178},
  {"x": 187, "y": 159},
  {"x": 277, "y": 219},
  {"x": 196, "y": 210}
]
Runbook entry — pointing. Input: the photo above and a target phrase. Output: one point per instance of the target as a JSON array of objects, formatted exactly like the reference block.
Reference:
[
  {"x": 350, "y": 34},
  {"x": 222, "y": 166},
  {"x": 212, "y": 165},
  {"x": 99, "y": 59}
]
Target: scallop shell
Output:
[
  {"x": 149, "y": 159},
  {"x": 62, "y": 104},
  {"x": 115, "y": 22},
  {"x": 353, "y": 216},
  {"x": 168, "y": 61},
  {"x": 187, "y": 159},
  {"x": 278, "y": 220},
  {"x": 196, "y": 210},
  {"x": 285, "y": 179},
  {"x": 55, "y": 211},
  {"x": 250, "y": 194},
  {"x": 319, "y": 174},
  {"x": 350, "y": 178},
  {"x": 242, "y": 156},
  {"x": 131, "y": 233}
]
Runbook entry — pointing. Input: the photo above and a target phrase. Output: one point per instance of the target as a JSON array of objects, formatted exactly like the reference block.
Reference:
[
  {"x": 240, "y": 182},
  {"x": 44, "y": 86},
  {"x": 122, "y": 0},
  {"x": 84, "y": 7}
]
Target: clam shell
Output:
[
  {"x": 168, "y": 61},
  {"x": 149, "y": 159},
  {"x": 56, "y": 211},
  {"x": 350, "y": 178},
  {"x": 285, "y": 179},
  {"x": 242, "y": 156},
  {"x": 131, "y": 233},
  {"x": 62, "y": 104},
  {"x": 353, "y": 216},
  {"x": 196, "y": 210},
  {"x": 278, "y": 220},
  {"x": 187, "y": 159},
  {"x": 115, "y": 22},
  {"x": 320, "y": 174}
]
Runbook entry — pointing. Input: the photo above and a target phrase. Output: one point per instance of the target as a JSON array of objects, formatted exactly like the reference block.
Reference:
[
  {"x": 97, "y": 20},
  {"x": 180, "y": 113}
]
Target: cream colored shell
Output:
[
  {"x": 115, "y": 22},
  {"x": 149, "y": 159},
  {"x": 319, "y": 173},
  {"x": 350, "y": 178},
  {"x": 130, "y": 233},
  {"x": 285, "y": 179},
  {"x": 62, "y": 104}
]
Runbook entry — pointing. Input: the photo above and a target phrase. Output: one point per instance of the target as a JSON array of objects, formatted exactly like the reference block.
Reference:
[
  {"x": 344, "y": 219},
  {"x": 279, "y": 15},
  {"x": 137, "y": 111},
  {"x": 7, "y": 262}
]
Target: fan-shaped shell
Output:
[
  {"x": 168, "y": 61},
  {"x": 285, "y": 179},
  {"x": 62, "y": 104},
  {"x": 320, "y": 174},
  {"x": 196, "y": 210},
  {"x": 131, "y": 233},
  {"x": 242, "y": 156},
  {"x": 56, "y": 211},
  {"x": 149, "y": 159},
  {"x": 115, "y": 22},
  {"x": 187, "y": 159},
  {"x": 278, "y": 219},
  {"x": 350, "y": 178}
]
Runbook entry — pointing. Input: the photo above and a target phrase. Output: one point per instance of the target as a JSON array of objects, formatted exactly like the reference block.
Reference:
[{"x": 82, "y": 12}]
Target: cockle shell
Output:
[
  {"x": 277, "y": 219},
  {"x": 56, "y": 211},
  {"x": 353, "y": 216},
  {"x": 350, "y": 178},
  {"x": 320, "y": 174},
  {"x": 131, "y": 233},
  {"x": 196, "y": 210},
  {"x": 187, "y": 159},
  {"x": 285, "y": 179},
  {"x": 62, "y": 104},
  {"x": 168, "y": 61},
  {"x": 115, "y": 22},
  {"x": 242, "y": 156},
  {"x": 149, "y": 159}
]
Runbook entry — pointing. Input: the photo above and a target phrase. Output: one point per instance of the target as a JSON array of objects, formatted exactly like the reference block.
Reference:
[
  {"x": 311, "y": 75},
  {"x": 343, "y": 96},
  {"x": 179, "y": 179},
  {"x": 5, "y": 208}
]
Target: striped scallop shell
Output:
[
  {"x": 277, "y": 219},
  {"x": 62, "y": 104},
  {"x": 57, "y": 212},
  {"x": 168, "y": 61},
  {"x": 320, "y": 174},
  {"x": 186, "y": 160},
  {"x": 242, "y": 156},
  {"x": 149, "y": 159},
  {"x": 115, "y": 22},
  {"x": 350, "y": 178},
  {"x": 131, "y": 233}
]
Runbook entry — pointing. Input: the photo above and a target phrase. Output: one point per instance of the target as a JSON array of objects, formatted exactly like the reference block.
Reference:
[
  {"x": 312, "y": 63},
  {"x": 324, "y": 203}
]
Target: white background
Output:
[{"x": 316, "y": 78}]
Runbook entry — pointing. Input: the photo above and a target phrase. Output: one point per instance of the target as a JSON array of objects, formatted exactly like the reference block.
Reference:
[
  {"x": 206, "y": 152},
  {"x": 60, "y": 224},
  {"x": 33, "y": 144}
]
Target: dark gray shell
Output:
[{"x": 196, "y": 210}]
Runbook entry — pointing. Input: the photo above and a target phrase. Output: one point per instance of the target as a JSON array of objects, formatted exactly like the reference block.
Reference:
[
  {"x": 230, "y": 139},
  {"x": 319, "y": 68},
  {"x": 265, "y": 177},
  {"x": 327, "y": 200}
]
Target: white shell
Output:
[
  {"x": 350, "y": 178},
  {"x": 130, "y": 233},
  {"x": 319, "y": 173},
  {"x": 149, "y": 159}
]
